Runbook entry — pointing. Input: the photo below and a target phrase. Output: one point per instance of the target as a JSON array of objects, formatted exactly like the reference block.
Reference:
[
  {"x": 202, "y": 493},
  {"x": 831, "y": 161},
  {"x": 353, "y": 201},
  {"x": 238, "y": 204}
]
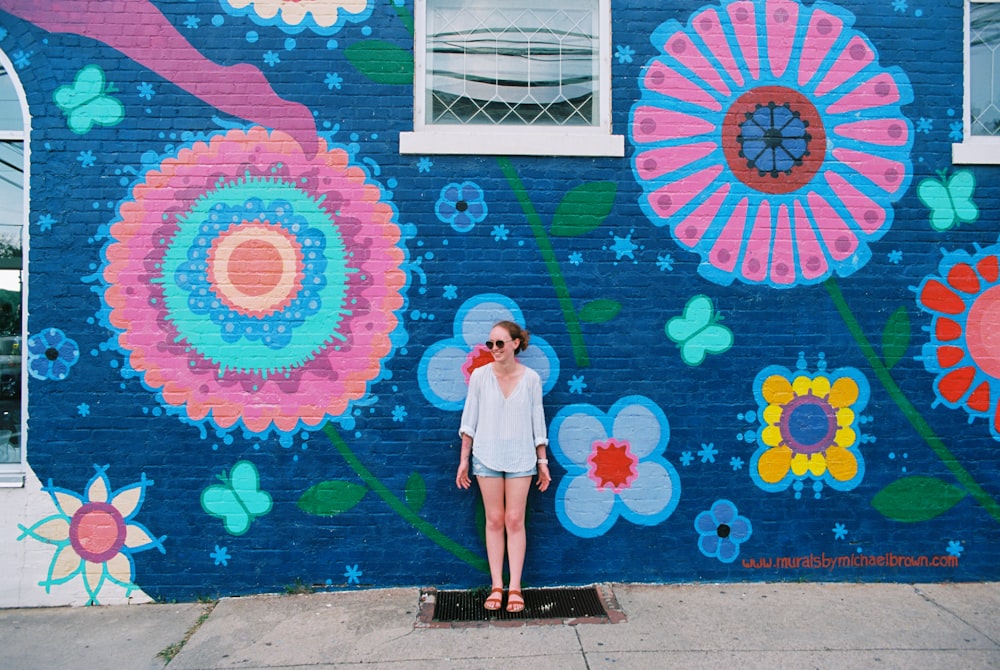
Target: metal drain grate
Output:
[{"x": 555, "y": 604}]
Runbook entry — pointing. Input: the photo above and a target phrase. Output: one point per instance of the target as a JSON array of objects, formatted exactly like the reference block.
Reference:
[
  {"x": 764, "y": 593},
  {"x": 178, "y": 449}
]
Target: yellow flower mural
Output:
[{"x": 808, "y": 428}]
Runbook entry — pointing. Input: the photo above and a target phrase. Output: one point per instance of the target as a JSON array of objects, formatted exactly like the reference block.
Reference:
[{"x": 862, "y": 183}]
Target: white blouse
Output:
[{"x": 505, "y": 431}]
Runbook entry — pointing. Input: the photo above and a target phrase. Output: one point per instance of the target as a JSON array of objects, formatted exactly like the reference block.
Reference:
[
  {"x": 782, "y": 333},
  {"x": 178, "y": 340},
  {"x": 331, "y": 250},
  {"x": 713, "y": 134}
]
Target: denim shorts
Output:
[{"x": 480, "y": 470}]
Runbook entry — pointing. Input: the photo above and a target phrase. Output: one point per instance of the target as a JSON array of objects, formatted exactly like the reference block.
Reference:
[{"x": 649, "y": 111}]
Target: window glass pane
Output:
[
  {"x": 984, "y": 74},
  {"x": 519, "y": 62},
  {"x": 10, "y": 106}
]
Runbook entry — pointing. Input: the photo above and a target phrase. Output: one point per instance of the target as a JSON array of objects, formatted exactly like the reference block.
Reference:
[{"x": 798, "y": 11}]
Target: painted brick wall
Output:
[{"x": 818, "y": 403}]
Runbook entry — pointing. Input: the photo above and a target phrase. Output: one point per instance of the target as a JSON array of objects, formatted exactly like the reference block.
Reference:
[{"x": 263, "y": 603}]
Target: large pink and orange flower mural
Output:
[
  {"x": 253, "y": 286},
  {"x": 964, "y": 346},
  {"x": 771, "y": 141}
]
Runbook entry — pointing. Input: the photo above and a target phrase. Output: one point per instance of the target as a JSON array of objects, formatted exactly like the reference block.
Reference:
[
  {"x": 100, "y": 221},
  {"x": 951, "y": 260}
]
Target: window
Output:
[
  {"x": 512, "y": 77},
  {"x": 981, "y": 141},
  {"x": 12, "y": 213}
]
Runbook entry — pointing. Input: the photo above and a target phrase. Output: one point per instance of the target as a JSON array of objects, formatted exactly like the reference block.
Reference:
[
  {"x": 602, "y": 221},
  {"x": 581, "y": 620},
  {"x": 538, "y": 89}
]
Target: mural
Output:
[{"x": 766, "y": 336}]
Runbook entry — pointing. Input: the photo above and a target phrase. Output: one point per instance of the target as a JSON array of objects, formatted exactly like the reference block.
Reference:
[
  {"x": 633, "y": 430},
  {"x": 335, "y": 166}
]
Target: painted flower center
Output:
[
  {"x": 477, "y": 358},
  {"x": 723, "y": 530},
  {"x": 97, "y": 532},
  {"x": 461, "y": 205},
  {"x": 52, "y": 353},
  {"x": 808, "y": 424},
  {"x": 773, "y": 139},
  {"x": 612, "y": 464},
  {"x": 982, "y": 331}
]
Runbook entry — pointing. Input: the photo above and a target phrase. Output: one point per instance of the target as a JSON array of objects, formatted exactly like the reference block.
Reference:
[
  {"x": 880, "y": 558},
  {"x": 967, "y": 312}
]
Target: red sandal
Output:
[
  {"x": 515, "y": 606},
  {"x": 494, "y": 599}
]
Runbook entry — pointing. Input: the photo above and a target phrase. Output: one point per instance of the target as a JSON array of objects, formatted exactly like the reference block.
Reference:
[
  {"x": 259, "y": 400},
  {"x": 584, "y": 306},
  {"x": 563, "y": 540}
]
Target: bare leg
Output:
[
  {"x": 492, "y": 489},
  {"x": 516, "y": 501}
]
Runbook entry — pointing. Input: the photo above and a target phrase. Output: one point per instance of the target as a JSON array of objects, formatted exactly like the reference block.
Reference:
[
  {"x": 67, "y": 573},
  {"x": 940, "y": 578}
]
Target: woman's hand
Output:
[
  {"x": 462, "y": 479},
  {"x": 544, "y": 478}
]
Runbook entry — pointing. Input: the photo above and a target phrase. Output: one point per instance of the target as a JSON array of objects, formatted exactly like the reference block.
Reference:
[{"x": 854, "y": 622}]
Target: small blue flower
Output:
[
  {"x": 955, "y": 548},
  {"x": 722, "y": 530},
  {"x": 955, "y": 131},
  {"x": 576, "y": 258},
  {"x": 839, "y": 531},
  {"x": 665, "y": 262},
  {"x": 925, "y": 125},
  {"x": 86, "y": 158},
  {"x": 146, "y": 91},
  {"x": 450, "y": 292},
  {"x": 577, "y": 385},
  {"x": 83, "y": 409},
  {"x": 191, "y": 21},
  {"x": 399, "y": 413},
  {"x": 736, "y": 463},
  {"x": 461, "y": 205},
  {"x": 899, "y": 5},
  {"x": 424, "y": 164},
  {"x": 21, "y": 58},
  {"x": 333, "y": 81},
  {"x": 500, "y": 232},
  {"x": 708, "y": 453},
  {"x": 45, "y": 222},
  {"x": 272, "y": 58},
  {"x": 624, "y": 53},
  {"x": 51, "y": 354},
  {"x": 686, "y": 458},
  {"x": 220, "y": 555},
  {"x": 895, "y": 256},
  {"x": 352, "y": 574}
]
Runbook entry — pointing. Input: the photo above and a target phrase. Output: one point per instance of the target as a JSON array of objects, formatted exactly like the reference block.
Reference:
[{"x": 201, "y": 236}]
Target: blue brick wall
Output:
[{"x": 882, "y": 457}]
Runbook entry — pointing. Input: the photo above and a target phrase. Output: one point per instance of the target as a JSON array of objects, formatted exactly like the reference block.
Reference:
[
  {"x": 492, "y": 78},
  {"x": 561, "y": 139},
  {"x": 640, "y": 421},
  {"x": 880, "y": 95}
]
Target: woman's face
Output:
[{"x": 500, "y": 334}]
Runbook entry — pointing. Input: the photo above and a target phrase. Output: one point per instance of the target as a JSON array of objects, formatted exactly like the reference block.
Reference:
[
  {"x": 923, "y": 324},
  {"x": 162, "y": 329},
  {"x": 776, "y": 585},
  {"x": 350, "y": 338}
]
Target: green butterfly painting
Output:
[
  {"x": 949, "y": 199},
  {"x": 86, "y": 102},
  {"x": 238, "y": 500},
  {"x": 698, "y": 332}
]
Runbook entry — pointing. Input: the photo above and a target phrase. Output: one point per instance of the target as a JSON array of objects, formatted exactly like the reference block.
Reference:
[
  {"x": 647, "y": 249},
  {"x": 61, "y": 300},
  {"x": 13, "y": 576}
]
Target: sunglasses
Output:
[{"x": 499, "y": 344}]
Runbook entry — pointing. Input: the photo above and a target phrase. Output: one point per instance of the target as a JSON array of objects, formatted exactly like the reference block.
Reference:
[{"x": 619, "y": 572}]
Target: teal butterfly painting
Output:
[
  {"x": 238, "y": 500},
  {"x": 86, "y": 102},
  {"x": 949, "y": 199},
  {"x": 698, "y": 332}
]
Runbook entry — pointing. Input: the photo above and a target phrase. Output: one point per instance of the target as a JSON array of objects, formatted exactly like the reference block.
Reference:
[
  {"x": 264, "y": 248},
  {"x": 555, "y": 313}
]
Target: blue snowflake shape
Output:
[
  {"x": 22, "y": 59},
  {"x": 925, "y": 125},
  {"x": 450, "y": 292},
  {"x": 399, "y": 413},
  {"x": 220, "y": 555},
  {"x": 624, "y": 53},
  {"x": 899, "y": 5},
  {"x": 708, "y": 452},
  {"x": 86, "y": 158},
  {"x": 191, "y": 21},
  {"x": 146, "y": 91},
  {"x": 624, "y": 247},
  {"x": 272, "y": 58},
  {"x": 839, "y": 531},
  {"x": 500, "y": 233},
  {"x": 956, "y": 134},
  {"x": 895, "y": 256},
  {"x": 352, "y": 574},
  {"x": 83, "y": 409},
  {"x": 686, "y": 458},
  {"x": 736, "y": 463},
  {"x": 665, "y": 262},
  {"x": 576, "y": 258},
  {"x": 424, "y": 164},
  {"x": 577, "y": 385},
  {"x": 45, "y": 222},
  {"x": 955, "y": 548},
  {"x": 333, "y": 81}
]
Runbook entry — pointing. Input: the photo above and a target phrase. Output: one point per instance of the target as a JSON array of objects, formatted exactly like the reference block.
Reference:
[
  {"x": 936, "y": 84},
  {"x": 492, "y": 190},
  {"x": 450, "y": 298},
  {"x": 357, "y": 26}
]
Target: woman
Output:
[{"x": 504, "y": 420}]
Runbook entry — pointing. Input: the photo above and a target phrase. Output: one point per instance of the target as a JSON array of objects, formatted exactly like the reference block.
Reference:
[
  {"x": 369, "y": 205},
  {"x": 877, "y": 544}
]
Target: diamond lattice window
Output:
[{"x": 984, "y": 64}]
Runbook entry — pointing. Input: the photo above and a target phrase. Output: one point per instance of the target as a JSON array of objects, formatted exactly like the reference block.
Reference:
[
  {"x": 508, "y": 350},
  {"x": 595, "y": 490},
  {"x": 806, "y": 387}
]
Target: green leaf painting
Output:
[
  {"x": 914, "y": 499},
  {"x": 416, "y": 492},
  {"x": 331, "y": 498},
  {"x": 896, "y": 337},
  {"x": 382, "y": 62},
  {"x": 600, "y": 311},
  {"x": 584, "y": 208}
]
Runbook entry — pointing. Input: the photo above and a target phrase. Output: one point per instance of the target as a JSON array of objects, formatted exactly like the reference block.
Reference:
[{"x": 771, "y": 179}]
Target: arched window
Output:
[{"x": 13, "y": 209}]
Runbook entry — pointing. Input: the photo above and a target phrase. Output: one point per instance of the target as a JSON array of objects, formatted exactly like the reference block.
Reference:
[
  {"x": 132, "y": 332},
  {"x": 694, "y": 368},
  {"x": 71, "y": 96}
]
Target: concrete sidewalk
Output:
[{"x": 906, "y": 626}]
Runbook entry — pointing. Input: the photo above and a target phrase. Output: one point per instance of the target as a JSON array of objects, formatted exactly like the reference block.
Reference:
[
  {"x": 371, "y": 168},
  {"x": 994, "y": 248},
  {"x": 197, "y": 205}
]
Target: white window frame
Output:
[
  {"x": 12, "y": 475},
  {"x": 974, "y": 149},
  {"x": 504, "y": 140}
]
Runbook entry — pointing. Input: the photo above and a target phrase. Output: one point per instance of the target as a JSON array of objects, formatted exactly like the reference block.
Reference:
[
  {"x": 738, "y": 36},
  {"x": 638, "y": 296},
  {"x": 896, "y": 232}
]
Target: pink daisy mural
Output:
[
  {"x": 252, "y": 286},
  {"x": 771, "y": 141}
]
